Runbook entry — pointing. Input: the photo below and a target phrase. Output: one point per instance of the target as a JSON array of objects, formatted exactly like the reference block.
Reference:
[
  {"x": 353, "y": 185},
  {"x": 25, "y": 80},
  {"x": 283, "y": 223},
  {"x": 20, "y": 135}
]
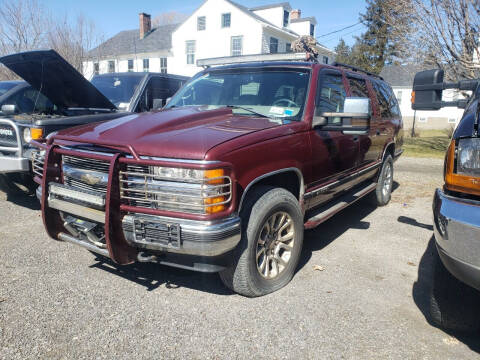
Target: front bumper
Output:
[
  {"x": 12, "y": 163},
  {"x": 457, "y": 235}
]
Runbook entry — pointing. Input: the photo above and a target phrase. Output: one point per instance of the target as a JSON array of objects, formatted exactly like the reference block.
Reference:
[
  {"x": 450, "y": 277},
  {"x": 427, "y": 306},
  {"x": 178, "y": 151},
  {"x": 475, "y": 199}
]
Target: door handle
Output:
[{"x": 355, "y": 138}]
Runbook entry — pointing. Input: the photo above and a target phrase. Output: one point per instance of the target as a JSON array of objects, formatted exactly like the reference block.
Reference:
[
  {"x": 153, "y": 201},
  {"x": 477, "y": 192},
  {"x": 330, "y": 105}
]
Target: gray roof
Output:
[
  {"x": 400, "y": 75},
  {"x": 129, "y": 42},
  {"x": 310, "y": 18},
  {"x": 271, "y": 6}
]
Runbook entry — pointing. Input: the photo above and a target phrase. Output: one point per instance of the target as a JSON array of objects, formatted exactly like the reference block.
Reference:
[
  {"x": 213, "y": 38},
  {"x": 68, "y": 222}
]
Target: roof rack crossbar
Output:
[
  {"x": 252, "y": 58},
  {"x": 357, "y": 69}
]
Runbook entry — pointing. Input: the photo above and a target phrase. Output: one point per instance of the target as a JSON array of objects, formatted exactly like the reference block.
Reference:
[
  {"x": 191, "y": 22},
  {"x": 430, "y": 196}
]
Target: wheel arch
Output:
[{"x": 290, "y": 179}]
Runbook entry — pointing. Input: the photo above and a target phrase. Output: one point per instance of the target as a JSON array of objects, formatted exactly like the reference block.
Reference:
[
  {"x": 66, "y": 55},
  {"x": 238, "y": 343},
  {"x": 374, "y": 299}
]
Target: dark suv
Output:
[
  {"x": 58, "y": 97},
  {"x": 227, "y": 177}
]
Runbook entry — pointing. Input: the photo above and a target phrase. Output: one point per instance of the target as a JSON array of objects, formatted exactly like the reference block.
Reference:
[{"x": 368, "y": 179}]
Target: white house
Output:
[
  {"x": 217, "y": 28},
  {"x": 400, "y": 77}
]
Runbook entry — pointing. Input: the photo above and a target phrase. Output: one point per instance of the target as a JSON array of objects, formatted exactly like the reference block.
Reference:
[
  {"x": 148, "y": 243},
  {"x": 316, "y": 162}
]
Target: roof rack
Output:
[
  {"x": 252, "y": 58},
  {"x": 356, "y": 69}
]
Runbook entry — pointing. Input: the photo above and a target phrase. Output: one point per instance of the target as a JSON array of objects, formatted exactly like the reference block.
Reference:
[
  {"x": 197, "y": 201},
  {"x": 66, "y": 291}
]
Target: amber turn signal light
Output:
[
  {"x": 413, "y": 97},
  {"x": 459, "y": 182},
  {"x": 214, "y": 177},
  {"x": 36, "y": 133}
]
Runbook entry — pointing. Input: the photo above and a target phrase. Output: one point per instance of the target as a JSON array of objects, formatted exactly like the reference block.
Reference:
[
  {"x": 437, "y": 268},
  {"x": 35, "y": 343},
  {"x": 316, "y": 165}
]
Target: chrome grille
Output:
[
  {"x": 8, "y": 136},
  {"x": 85, "y": 165},
  {"x": 140, "y": 187},
  {"x": 38, "y": 159}
]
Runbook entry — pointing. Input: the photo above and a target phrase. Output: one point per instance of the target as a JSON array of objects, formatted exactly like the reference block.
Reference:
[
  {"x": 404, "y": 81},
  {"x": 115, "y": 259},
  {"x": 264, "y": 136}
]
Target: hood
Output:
[
  {"x": 182, "y": 133},
  {"x": 54, "y": 77}
]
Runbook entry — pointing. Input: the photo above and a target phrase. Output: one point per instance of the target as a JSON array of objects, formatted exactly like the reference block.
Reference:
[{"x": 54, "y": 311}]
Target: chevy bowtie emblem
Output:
[{"x": 91, "y": 179}]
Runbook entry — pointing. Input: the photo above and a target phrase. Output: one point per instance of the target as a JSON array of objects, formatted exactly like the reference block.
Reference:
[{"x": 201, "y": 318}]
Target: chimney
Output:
[
  {"x": 295, "y": 14},
  {"x": 145, "y": 24}
]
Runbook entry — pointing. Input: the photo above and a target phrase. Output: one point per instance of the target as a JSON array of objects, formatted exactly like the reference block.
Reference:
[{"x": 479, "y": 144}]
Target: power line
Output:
[{"x": 336, "y": 31}]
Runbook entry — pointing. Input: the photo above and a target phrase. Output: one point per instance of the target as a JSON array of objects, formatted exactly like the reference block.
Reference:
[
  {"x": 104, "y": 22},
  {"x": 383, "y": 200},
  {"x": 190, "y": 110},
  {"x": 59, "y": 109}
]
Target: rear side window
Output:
[
  {"x": 383, "y": 98},
  {"x": 330, "y": 94},
  {"x": 358, "y": 87}
]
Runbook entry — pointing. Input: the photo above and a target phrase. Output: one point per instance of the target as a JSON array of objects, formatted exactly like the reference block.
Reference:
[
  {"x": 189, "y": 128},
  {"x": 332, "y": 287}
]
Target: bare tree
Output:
[
  {"x": 23, "y": 26},
  {"x": 168, "y": 18},
  {"x": 445, "y": 34}
]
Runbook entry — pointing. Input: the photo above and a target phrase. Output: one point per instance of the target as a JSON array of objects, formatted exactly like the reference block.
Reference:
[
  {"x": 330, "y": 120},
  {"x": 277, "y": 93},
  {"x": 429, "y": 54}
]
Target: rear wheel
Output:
[
  {"x": 272, "y": 238},
  {"x": 383, "y": 192}
]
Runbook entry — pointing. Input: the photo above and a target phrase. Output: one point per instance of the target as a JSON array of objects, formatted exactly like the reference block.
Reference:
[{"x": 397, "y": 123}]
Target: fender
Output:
[{"x": 272, "y": 173}]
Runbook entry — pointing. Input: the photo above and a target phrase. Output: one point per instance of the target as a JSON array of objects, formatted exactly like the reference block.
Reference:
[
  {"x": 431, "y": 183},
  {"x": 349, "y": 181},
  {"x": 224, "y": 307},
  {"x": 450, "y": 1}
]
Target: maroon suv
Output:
[{"x": 227, "y": 177}]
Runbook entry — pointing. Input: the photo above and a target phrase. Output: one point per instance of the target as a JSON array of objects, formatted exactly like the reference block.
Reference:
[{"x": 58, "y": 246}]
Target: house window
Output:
[
  {"x": 96, "y": 68},
  {"x": 146, "y": 65},
  {"x": 399, "y": 97},
  {"x": 201, "y": 23},
  {"x": 286, "y": 14},
  {"x": 312, "y": 29},
  {"x": 190, "y": 51},
  {"x": 236, "y": 45},
  {"x": 226, "y": 20},
  {"x": 111, "y": 66},
  {"x": 452, "y": 121},
  {"x": 163, "y": 65},
  {"x": 288, "y": 47},
  {"x": 325, "y": 59},
  {"x": 422, "y": 120},
  {"x": 130, "y": 65},
  {"x": 273, "y": 45}
]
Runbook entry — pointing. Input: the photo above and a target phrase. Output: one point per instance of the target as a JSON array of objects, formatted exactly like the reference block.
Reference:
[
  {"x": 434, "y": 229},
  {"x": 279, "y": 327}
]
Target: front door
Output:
[{"x": 334, "y": 154}]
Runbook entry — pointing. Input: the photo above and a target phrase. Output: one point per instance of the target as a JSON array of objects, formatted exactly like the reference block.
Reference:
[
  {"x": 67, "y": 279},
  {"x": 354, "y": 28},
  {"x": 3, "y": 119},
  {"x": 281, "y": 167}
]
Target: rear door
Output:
[
  {"x": 334, "y": 154},
  {"x": 384, "y": 115},
  {"x": 368, "y": 147}
]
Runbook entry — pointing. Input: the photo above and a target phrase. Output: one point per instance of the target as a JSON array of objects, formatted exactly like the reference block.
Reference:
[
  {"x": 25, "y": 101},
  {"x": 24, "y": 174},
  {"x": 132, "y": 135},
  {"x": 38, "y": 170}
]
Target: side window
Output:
[
  {"x": 383, "y": 100},
  {"x": 330, "y": 93},
  {"x": 358, "y": 87},
  {"x": 30, "y": 100}
]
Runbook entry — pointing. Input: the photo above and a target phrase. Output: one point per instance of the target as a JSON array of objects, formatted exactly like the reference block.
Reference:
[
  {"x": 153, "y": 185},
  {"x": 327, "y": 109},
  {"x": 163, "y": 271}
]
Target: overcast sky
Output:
[{"x": 114, "y": 16}]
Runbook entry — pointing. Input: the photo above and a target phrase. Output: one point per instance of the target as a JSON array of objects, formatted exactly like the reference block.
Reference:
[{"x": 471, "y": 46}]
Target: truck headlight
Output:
[
  {"x": 462, "y": 172},
  {"x": 32, "y": 134},
  {"x": 177, "y": 189},
  {"x": 468, "y": 157}
]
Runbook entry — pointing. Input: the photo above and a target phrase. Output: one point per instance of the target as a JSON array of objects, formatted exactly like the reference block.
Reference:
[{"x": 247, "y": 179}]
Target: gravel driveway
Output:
[{"x": 360, "y": 292}]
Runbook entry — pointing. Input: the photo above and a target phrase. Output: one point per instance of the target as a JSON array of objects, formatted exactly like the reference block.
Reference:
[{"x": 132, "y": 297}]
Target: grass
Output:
[{"x": 430, "y": 143}]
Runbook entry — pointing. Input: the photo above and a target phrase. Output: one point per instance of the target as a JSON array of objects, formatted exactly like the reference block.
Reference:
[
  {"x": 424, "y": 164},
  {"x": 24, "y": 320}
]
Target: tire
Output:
[
  {"x": 383, "y": 192},
  {"x": 251, "y": 277},
  {"x": 453, "y": 304}
]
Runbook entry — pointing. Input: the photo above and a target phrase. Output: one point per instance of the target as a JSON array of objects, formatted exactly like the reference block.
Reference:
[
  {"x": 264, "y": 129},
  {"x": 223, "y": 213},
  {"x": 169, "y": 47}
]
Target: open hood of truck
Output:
[
  {"x": 185, "y": 133},
  {"x": 54, "y": 77}
]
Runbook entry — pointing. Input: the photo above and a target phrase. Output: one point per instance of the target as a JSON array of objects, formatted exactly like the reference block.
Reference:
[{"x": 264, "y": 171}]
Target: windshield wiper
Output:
[{"x": 247, "y": 109}]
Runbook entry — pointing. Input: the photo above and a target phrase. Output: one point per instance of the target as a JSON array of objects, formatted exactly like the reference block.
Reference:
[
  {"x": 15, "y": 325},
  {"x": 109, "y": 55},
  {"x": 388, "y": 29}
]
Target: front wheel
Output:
[{"x": 271, "y": 244}]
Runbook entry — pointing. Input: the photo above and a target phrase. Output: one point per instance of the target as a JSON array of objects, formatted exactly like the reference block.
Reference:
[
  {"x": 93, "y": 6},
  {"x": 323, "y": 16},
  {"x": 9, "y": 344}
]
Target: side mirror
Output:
[
  {"x": 9, "y": 109},
  {"x": 427, "y": 90},
  {"x": 168, "y": 99},
  {"x": 355, "y": 118},
  {"x": 157, "y": 104}
]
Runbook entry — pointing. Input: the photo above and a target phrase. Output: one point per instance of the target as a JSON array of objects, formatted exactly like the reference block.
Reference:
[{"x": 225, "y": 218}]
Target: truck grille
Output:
[
  {"x": 83, "y": 173},
  {"x": 8, "y": 136},
  {"x": 38, "y": 159},
  {"x": 139, "y": 186}
]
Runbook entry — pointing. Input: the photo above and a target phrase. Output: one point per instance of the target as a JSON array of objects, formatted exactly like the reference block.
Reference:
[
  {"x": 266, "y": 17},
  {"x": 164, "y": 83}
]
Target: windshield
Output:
[
  {"x": 119, "y": 89},
  {"x": 5, "y": 86},
  {"x": 275, "y": 93}
]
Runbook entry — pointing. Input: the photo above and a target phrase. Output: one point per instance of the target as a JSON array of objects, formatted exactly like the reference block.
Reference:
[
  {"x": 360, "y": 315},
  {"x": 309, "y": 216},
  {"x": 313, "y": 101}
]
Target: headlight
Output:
[
  {"x": 27, "y": 135},
  {"x": 462, "y": 173},
  {"x": 32, "y": 134},
  {"x": 468, "y": 157},
  {"x": 177, "y": 189}
]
